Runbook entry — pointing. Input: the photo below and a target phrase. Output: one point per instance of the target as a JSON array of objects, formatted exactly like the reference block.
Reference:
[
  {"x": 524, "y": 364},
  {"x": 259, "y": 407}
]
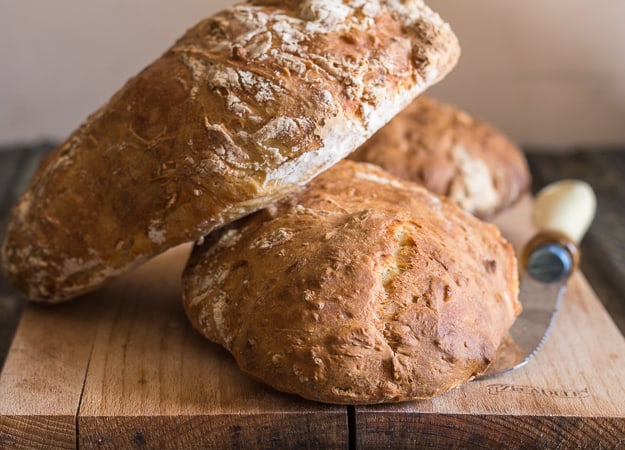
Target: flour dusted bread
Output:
[
  {"x": 452, "y": 154},
  {"x": 245, "y": 106},
  {"x": 358, "y": 288}
]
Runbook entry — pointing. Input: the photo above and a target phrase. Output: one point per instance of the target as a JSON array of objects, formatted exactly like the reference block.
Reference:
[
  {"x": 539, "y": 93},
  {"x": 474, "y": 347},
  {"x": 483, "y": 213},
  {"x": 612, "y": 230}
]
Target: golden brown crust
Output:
[
  {"x": 359, "y": 288},
  {"x": 245, "y": 106},
  {"x": 452, "y": 154}
]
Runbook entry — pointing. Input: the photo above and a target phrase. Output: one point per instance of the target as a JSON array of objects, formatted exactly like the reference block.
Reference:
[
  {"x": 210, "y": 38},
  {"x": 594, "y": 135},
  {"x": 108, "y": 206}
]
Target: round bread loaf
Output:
[
  {"x": 359, "y": 288},
  {"x": 247, "y": 105},
  {"x": 452, "y": 154}
]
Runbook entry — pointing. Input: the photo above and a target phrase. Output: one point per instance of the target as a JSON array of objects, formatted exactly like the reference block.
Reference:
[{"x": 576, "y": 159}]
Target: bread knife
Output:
[{"x": 563, "y": 212}]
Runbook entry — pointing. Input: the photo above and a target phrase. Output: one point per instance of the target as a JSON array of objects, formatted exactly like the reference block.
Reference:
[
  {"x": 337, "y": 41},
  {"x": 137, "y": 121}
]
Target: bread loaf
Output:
[
  {"x": 359, "y": 288},
  {"x": 245, "y": 106},
  {"x": 452, "y": 154}
]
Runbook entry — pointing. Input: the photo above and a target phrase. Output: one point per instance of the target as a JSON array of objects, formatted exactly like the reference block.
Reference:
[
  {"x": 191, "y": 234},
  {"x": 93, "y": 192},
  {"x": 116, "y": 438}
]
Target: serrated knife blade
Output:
[{"x": 562, "y": 212}]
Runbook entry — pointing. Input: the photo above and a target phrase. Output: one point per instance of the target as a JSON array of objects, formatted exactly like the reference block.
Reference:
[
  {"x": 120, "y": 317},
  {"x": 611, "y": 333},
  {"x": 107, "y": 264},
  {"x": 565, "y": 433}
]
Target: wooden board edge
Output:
[
  {"x": 427, "y": 430},
  {"x": 28, "y": 432},
  {"x": 50, "y": 344},
  {"x": 259, "y": 431}
]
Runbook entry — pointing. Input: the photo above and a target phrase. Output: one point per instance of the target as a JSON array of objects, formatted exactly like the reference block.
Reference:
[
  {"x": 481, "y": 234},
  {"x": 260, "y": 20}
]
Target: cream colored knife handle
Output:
[{"x": 567, "y": 207}]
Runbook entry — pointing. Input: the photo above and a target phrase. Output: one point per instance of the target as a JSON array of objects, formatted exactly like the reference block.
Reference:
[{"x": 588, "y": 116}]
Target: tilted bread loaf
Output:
[
  {"x": 452, "y": 154},
  {"x": 358, "y": 288},
  {"x": 245, "y": 106}
]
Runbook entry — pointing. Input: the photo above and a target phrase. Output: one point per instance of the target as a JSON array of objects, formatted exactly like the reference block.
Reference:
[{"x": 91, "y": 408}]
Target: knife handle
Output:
[
  {"x": 563, "y": 212},
  {"x": 567, "y": 207}
]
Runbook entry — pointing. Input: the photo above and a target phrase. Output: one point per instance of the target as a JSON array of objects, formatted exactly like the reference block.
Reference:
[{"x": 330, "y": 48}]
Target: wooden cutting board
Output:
[{"x": 122, "y": 368}]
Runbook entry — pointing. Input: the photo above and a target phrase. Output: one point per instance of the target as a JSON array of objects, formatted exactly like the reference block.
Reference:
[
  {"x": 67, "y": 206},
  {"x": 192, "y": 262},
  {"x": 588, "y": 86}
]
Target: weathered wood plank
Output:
[
  {"x": 415, "y": 430},
  {"x": 235, "y": 431},
  {"x": 31, "y": 431}
]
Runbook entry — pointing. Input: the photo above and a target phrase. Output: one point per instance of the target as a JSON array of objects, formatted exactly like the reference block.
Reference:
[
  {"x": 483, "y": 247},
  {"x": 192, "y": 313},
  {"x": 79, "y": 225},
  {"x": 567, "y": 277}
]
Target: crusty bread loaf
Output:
[
  {"x": 358, "y": 288},
  {"x": 245, "y": 106},
  {"x": 452, "y": 154}
]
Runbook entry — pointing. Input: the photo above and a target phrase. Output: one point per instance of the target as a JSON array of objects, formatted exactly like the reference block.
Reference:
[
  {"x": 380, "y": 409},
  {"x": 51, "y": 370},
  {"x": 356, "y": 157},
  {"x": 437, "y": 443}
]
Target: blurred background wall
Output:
[{"x": 550, "y": 74}]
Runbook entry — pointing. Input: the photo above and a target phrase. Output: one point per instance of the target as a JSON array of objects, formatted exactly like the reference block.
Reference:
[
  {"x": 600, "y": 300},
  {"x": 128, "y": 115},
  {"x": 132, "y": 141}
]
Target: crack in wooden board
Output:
[{"x": 45, "y": 371}]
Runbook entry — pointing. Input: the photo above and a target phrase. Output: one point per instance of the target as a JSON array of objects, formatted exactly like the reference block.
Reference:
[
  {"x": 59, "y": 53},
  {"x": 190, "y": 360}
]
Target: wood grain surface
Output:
[
  {"x": 121, "y": 368},
  {"x": 42, "y": 381}
]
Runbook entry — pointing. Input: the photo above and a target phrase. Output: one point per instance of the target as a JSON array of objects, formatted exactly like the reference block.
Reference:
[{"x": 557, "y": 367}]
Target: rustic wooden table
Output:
[
  {"x": 603, "y": 249},
  {"x": 563, "y": 401}
]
